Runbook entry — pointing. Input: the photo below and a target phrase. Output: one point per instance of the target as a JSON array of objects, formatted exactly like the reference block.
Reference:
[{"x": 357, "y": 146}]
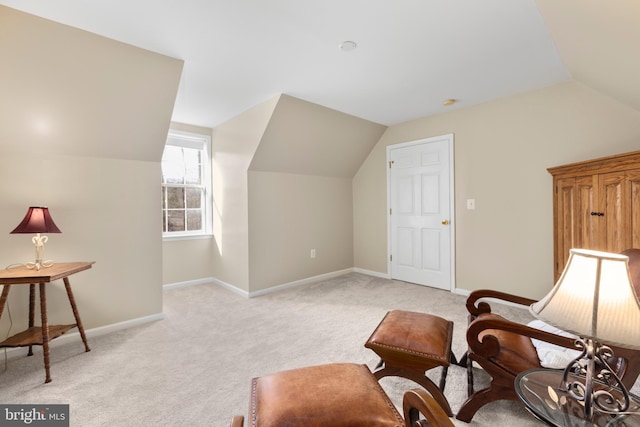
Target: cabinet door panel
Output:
[
  {"x": 634, "y": 188},
  {"x": 575, "y": 227},
  {"x": 566, "y": 216},
  {"x": 565, "y": 223},
  {"x": 586, "y": 225},
  {"x": 614, "y": 204}
]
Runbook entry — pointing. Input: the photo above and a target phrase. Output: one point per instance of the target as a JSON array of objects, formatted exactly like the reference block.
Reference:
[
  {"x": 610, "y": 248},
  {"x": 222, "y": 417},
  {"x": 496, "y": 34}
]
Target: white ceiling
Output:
[{"x": 411, "y": 54}]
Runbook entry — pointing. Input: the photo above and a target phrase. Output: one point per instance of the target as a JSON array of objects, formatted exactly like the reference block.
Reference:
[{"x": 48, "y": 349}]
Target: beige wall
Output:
[
  {"x": 106, "y": 214},
  {"x": 291, "y": 214},
  {"x": 502, "y": 150},
  {"x": 84, "y": 123},
  {"x": 308, "y": 139},
  {"x": 186, "y": 260},
  {"x": 234, "y": 144},
  {"x": 269, "y": 218}
]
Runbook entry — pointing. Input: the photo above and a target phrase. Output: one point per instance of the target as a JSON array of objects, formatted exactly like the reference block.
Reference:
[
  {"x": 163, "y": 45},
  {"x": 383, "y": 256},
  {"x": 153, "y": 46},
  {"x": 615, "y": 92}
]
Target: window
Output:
[{"x": 186, "y": 185}]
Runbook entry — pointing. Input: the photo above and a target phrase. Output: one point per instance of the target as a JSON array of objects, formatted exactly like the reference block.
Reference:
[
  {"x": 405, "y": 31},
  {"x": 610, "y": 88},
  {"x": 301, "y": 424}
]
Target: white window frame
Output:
[{"x": 201, "y": 142}]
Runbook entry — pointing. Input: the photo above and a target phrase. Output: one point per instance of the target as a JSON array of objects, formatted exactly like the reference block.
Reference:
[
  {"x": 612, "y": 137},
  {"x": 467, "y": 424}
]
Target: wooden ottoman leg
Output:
[
  {"x": 423, "y": 380},
  {"x": 443, "y": 378}
]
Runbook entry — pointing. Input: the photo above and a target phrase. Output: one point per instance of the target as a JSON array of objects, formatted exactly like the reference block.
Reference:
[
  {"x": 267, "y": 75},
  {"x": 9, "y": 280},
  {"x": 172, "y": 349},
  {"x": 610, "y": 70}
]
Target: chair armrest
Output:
[
  {"x": 475, "y": 307},
  {"x": 418, "y": 401},
  {"x": 489, "y": 345},
  {"x": 626, "y": 364},
  {"x": 237, "y": 421}
]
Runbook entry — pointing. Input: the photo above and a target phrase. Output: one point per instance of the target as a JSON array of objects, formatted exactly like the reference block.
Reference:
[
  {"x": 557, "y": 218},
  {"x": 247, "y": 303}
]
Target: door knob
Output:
[{"x": 445, "y": 221}]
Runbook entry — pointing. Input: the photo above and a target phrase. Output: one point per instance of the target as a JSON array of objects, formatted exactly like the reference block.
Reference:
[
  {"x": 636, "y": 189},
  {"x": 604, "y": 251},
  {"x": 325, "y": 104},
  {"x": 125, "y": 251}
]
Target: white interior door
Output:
[{"x": 420, "y": 214}]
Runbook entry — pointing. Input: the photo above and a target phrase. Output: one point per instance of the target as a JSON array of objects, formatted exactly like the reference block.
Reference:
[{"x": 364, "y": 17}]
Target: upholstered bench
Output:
[
  {"x": 411, "y": 343},
  {"x": 335, "y": 395}
]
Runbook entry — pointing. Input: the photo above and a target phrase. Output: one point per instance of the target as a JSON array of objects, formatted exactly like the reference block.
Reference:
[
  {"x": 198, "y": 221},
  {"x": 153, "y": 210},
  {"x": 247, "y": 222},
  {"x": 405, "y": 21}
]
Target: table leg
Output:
[
  {"x": 32, "y": 303},
  {"x": 45, "y": 331},
  {"x": 72, "y": 300},
  {"x": 3, "y": 297}
]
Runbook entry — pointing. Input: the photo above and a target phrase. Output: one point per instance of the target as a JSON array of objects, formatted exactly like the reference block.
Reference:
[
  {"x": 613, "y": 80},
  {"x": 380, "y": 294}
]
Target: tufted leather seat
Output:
[
  {"x": 336, "y": 395},
  {"x": 322, "y": 395}
]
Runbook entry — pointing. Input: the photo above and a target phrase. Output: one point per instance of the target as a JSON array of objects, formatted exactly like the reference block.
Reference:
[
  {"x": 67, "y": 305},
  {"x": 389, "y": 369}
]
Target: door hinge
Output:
[
  {"x": 390, "y": 163},
  {"x": 390, "y": 257},
  {"x": 390, "y": 211}
]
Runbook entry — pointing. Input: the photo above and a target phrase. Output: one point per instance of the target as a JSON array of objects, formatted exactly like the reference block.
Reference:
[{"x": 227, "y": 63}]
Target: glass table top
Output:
[{"x": 539, "y": 390}]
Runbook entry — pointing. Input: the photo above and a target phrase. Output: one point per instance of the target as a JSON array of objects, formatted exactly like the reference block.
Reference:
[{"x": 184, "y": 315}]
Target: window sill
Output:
[{"x": 187, "y": 237}]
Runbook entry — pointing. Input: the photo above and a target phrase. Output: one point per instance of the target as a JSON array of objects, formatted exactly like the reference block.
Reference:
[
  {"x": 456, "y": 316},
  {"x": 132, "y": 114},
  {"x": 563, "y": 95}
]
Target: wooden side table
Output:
[{"x": 41, "y": 335}]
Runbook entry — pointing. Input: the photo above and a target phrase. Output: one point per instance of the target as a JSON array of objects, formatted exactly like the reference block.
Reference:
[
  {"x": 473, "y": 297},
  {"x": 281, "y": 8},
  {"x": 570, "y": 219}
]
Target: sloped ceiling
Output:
[
  {"x": 67, "y": 91},
  {"x": 598, "y": 42},
  {"x": 411, "y": 54},
  {"x": 308, "y": 139}
]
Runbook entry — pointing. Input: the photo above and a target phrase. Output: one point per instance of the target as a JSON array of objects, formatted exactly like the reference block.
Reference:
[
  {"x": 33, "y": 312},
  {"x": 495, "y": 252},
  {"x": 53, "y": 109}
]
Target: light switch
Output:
[{"x": 471, "y": 204}]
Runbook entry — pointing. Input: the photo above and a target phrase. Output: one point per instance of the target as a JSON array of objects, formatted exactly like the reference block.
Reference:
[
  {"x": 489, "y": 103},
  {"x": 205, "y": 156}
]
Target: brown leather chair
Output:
[
  {"x": 338, "y": 394},
  {"x": 504, "y": 348}
]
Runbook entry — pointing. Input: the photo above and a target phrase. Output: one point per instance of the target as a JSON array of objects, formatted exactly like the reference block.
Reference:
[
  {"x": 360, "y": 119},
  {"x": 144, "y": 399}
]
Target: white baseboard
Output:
[
  {"x": 188, "y": 283},
  {"x": 254, "y": 294},
  {"x": 90, "y": 333},
  {"x": 463, "y": 292},
  {"x": 231, "y": 288},
  {"x": 300, "y": 282},
  {"x": 372, "y": 273}
]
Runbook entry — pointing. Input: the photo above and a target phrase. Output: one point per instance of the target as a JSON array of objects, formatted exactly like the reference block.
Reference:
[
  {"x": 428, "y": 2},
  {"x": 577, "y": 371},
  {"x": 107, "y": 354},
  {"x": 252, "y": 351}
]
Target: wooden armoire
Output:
[{"x": 596, "y": 205}]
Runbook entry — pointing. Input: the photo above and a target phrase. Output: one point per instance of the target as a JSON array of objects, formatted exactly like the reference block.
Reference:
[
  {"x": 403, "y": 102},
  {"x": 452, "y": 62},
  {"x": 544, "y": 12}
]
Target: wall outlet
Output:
[
  {"x": 471, "y": 204},
  {"x": 312, "y": 254}
]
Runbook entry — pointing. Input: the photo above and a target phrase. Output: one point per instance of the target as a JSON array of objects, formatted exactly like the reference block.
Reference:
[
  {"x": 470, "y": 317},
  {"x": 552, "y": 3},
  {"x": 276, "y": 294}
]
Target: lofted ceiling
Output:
[
  {"x": 411, "y": 55},
  {"x": 598, "y": 42}
]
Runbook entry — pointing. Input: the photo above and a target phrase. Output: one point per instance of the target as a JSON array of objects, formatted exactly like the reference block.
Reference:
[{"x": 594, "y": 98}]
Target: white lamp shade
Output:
[{"x": 594, "y": 298}]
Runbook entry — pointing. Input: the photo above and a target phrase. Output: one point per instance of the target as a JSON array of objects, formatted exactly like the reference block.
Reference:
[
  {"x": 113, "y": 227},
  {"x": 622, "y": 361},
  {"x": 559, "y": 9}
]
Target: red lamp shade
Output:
[{"x": 37, "y": 220}]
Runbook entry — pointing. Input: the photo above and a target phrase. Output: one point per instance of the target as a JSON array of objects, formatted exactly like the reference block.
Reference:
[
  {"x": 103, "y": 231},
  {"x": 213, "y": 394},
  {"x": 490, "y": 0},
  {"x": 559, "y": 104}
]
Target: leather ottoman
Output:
[
  {"x": 411, "y": 343},
  {"x": 338, "y": 394}
]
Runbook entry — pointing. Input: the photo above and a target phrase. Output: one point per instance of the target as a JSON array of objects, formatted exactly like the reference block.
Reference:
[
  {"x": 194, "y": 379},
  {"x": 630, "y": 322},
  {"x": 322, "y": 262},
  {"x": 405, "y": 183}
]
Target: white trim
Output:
[
  {"x": 462, "y": 292},
  {"x": 231, "y": 288},
  {"x": 272, "y": 289},
  {"x": 74, "y": 337},
  {"x": 188, "y": 283},
  {"x": 199, "y": 142},
  {"x": 452, "y": 220},
  {"x": 300, "y": 282},
  {"x": 372, "y": 273},
  {"x": 187, "y": 237}
]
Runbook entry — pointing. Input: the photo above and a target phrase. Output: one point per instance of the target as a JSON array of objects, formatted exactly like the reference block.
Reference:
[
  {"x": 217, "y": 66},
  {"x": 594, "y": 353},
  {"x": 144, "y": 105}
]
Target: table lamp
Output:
[
  {"x": 37, "y": 220},
  {"x": 595, "y": 299}
]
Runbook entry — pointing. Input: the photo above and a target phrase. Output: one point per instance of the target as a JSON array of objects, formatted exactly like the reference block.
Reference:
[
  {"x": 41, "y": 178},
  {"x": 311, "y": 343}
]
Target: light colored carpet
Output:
[{"x": 194, "y": 367}]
